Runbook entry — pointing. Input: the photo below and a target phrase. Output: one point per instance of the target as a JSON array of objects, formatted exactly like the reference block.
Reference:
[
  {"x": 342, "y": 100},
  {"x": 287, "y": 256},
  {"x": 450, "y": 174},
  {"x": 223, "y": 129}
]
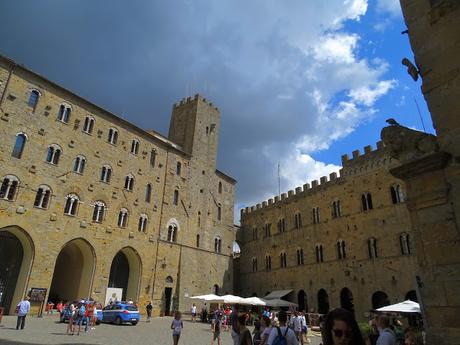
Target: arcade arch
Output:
[
  {"x": 73, "y": 271},
  {"x": 302, "y": 300},
  {"x": 16, "y": 257},
  {"x": 125, "y": 273},
  {"x": 346, "y": 300}
]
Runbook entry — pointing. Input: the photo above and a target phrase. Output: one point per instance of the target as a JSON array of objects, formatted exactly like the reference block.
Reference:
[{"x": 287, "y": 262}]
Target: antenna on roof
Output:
[
  {"x": 279, "y": 179},
  {"x": 420, "y": 114}
]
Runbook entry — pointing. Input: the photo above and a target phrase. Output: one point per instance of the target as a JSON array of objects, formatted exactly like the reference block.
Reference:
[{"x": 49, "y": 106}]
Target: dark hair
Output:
[
  {"x": 384, "y": 321},
  {"x": 282, "y": 316},
  {"x": 242, "y": 319},
  {"x": 347, "y": 317}
]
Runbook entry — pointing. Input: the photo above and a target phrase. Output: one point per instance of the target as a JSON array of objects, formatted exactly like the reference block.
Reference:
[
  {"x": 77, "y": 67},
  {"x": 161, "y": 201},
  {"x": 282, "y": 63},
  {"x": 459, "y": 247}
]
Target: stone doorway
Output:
[
  {"x": 323, "y": 302},
  {"x": 379, "y": 299},
  {"x": 302, "y": 301},
  {"x": 346, "y": 300}
]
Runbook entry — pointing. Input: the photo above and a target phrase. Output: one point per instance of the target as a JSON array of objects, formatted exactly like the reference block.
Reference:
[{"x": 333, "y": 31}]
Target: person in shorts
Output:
[
  {"x": 193, "y": 311},
  {"x": 177, "y": 326}
]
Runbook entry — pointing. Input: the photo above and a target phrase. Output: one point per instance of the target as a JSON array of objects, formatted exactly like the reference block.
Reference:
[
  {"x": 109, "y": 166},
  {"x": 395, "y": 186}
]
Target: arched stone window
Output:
[
  {"x": 129, "y": 182},
  {"x": 9, "y": 188},
  {"x": 396, "y": 194},
  {"x": 135, "y": 147},
  {"x": 254, "y": 264},
  {"x": 198, "y": 240},
  {"x": 372, "y": 248},
  {"x": 99, "y": 211},
  {"x": 71, "y": 204},
  {"x": 143, "y": 219},
  {"x": 79, "y": 164},
  {"x": 113, "y": 136},
  {"x": 300, "y": 260},
  {"x": 106, "y": 173},
  {"x": 19, "y": 145},
  {"x": 148, "y": 192},
  {"x": 123, "y": 218},
  {"x": 366, "y": 200},
  {"x": 64, "y": 113},
  {"x": 268, "y": 262},
  {"x": 176, "y": 197},
  {"x": 33, "y": 99},
  {"x": 153, "y": 156},
  {"x": 254, "y": 233},
  {"x": 298, "y": 220},
  {"x": 283, "y": 260},
  {"x": 53, "y": 154},
  {"x": 43, "y": 196},
  {"x": 219, "y": 212},
  {"x": 404, "y": 241},
  {"x": 281, "y": 225},
  {"x": 319, "y": 253},
  {"x": 173, "y": 228},
  {"x": 341, "y": 253},
  {"x": 267, "y": 229},
  {"x": 316, "y": 215},
  {"x": 88, "y": 125},
  {"x": 178, "y": 168},
  {"x": 217, "y": 244},
  {"x": 336, "y": 209}
]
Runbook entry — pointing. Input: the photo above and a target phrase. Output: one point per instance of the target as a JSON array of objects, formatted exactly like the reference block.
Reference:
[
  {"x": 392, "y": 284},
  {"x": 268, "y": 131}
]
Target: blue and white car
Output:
[{"x": 120, "y": 313}]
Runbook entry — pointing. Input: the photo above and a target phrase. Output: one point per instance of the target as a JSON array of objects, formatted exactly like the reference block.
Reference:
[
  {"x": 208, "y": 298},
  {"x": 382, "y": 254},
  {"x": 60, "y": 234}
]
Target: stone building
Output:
[
  {"x": 430, "y": 166},
  {"x": 342, "y": 241},
  {"x": 90, "y": 201}
]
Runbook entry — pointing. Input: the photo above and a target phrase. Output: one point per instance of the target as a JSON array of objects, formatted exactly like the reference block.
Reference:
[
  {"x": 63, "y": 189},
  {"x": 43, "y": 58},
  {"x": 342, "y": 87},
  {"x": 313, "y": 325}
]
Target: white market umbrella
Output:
[
  {"x": 254, "y": 301},
  {"x": 228, "y": 299},
  {"x": 402, "y": 307},
  {"x": 206, "y": 298}
]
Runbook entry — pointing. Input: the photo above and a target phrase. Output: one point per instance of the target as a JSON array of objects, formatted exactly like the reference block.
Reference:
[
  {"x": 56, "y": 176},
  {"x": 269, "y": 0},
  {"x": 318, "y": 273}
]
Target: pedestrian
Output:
[
  {"x": 234, "y": 325},
  {"x": 148, "y": 309},
  {"x": 266, "y": 329},
  {"x": 340, "y": 328},
  {"x": 296, "y": 322},
  {"x": 59, "y": 307},
  {"x": 89, "y": 313},
  {"x": 69, "y": 312},
  {"x": 193, "y": 310},
  {"x": 49, "y": 307},
  {"x": 282, "y": 331},
  {"x": 304, "y": 328},
  {"x": 22, "y": 309},
  {"x": 411, "y": 337},
  {"x": 177, "y": 325},
  {"x": 386, "y": 334},
  {"x": 216, "y": 328},
  {"x": 244, "y": 335},
  {"x": 81, "y": 311},
  {"x": 257, "y": 333}
]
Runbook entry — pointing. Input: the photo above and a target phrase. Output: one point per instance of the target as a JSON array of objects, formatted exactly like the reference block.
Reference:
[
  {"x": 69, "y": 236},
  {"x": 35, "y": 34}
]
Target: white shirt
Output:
[
  {"x": 290, "y": 336},
  {"x": 297, "y": 323}
]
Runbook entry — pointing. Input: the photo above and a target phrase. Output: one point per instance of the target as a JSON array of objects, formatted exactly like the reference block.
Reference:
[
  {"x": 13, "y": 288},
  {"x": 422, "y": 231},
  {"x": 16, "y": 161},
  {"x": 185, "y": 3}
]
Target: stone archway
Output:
[
  {"x": 16, "y": 257},
  {"x": 323, "y": 302},
  {"x": 125, "y": 273},
  {"x": 302, "y": 301},
  {"x": 73, "y": 272},
  {"x": 379, "y": 299},
  {"x": 411, "y": 295},
  {"x": 346, "y": 300}
]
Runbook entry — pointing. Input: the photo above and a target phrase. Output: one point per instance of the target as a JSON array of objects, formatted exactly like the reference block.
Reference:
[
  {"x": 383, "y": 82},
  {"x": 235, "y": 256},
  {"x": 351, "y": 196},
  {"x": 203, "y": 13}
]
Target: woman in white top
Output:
[{"x": 176, "y": 326}]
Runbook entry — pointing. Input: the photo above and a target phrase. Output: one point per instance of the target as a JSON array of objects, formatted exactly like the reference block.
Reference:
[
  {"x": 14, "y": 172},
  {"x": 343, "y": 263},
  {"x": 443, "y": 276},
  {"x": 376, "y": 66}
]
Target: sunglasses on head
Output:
[{"x": 339, "y": 333}]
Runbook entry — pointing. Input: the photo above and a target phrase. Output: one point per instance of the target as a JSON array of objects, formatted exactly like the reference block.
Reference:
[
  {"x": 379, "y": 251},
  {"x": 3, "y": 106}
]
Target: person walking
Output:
[
  {"x": 234, "y": 324},
  {"x": 177, "y": 325},
  {"x": 244, "y": 334},
  {"x": 266, "y": 329},
  {"x": 148, "y": 309},
  {"x": 22, "y": 309},
  {"x": 216, "y": 328}
]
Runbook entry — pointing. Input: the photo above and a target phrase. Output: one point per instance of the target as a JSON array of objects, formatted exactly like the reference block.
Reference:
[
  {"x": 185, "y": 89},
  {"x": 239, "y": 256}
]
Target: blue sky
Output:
[{"x": 298, "y": 82}]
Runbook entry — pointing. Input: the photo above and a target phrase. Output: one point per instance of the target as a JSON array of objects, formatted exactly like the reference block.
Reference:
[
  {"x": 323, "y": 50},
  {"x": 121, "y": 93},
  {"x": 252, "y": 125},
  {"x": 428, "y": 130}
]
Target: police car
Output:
[{"x": 120, "y": 313}]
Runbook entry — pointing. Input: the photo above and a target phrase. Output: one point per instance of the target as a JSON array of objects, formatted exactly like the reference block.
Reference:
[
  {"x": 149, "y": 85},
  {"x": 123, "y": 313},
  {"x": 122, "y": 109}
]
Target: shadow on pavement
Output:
[{"x": 10, "y": 342}]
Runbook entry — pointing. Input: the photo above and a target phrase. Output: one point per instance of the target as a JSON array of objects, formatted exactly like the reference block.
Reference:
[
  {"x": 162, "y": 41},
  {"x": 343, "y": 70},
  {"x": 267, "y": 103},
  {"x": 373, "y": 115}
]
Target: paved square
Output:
[{"x": 48, "y": 330}]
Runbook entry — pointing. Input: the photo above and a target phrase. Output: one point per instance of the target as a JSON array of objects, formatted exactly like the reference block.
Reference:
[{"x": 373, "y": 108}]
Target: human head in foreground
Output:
[{"x": 341, "y": 329}]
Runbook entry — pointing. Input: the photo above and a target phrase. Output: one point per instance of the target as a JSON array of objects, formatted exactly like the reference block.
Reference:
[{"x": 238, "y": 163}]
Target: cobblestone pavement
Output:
[{"x": 48, "y": 330}]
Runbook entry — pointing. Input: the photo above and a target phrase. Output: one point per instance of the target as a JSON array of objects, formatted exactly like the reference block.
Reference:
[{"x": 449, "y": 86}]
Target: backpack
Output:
[
  {"x": 280, "y": 338},
  {"x": 81, "y": 311}
]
